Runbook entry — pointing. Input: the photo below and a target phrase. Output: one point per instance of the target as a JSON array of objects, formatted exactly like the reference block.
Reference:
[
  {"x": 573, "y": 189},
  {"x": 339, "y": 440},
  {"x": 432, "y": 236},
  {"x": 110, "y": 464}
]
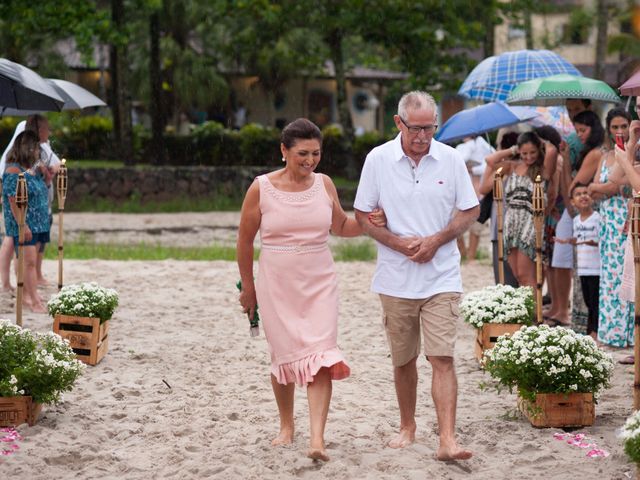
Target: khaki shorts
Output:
[{"x": 402, "y": 318}]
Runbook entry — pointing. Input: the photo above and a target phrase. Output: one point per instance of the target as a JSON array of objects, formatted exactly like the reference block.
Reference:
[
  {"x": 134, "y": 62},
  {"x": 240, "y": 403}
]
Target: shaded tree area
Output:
[{"x": 175, "y": 56}]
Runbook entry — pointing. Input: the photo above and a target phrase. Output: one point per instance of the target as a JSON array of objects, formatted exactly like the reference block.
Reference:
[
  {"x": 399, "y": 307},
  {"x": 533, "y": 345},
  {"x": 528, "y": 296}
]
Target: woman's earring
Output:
[{"x": 284, "y": 159}]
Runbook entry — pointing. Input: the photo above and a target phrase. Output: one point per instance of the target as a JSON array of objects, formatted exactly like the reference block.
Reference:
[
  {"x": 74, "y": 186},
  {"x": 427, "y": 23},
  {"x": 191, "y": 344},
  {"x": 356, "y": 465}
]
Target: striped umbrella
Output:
[
  {"x": 495, "y": 77},
  {"x": 556, "y": 89}
]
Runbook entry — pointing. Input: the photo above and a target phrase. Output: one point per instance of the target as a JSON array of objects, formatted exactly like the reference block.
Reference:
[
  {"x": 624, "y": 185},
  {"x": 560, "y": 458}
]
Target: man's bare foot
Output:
[
  {"x": 285, "y": 437},
  {"x": 453, "y": 453},
  {"x": 405, "y": 437},
  {"x": 318, "y": 454},
  {"x": 10, "y": 290},
  {"x": 43, "y": 282}
]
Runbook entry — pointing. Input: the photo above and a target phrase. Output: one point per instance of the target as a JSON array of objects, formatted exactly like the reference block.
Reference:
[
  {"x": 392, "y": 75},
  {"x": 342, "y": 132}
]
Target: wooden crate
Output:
[
  {"x": 487, "y": 336},
  {"x": 559, "y": 410},
  {"x": 87, "y": 336},
  {"x": 15, "y": 411}
]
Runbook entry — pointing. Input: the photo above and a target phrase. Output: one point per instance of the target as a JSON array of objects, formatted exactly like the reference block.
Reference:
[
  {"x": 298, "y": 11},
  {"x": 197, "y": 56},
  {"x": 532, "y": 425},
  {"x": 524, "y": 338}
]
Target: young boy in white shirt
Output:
[{"x": 586, "y": 227}]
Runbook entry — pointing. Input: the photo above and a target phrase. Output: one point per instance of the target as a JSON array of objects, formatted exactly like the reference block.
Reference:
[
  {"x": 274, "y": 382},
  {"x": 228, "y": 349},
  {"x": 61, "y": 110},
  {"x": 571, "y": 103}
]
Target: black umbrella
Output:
[{"x": 23, "y": 89}]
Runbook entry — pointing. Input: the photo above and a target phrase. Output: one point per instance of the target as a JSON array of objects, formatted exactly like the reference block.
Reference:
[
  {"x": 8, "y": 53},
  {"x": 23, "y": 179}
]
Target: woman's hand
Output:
[
  {"x": 377, "y": 218},
  {"x": 248, "y": 300},
  {"x": 595, "y": 191},
  {"x": 27, "y": 233}
]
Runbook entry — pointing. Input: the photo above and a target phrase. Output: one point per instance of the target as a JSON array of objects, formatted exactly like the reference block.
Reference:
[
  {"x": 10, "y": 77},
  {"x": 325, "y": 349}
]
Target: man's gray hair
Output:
[{"x": 416, "y": 100}]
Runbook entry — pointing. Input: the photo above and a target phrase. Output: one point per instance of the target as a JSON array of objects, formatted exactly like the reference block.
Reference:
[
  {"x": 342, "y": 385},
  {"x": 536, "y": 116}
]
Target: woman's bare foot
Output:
[
  {"x": 405, "y": 437},
  {"x": 10, "y": 290},
  {"x": 453, "y": 452},
  {"x": 37, "y": 308},
  {"x": 42, "y": 282},
  {"x": 285, "y": 437},
  {"x": 318, "y": 454}
]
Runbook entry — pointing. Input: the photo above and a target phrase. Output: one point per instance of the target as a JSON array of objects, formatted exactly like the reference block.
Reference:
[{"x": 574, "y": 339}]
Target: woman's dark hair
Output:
[
  {"x": 596, "y": 137},
  {"x": 300, "y": 129},
  {"x": 508, "y": 140},
  {"x": 550, "y": 134},
  {"x": 615, "y": 113},
  {"x": 25, "y": 149},
  {"x": 34, "y": 122},
  {"x": 530, "y": 137}
]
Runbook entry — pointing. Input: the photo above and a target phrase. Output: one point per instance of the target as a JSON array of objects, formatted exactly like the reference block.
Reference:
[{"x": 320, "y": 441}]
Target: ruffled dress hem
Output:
[{"x": 303, "y": 370}]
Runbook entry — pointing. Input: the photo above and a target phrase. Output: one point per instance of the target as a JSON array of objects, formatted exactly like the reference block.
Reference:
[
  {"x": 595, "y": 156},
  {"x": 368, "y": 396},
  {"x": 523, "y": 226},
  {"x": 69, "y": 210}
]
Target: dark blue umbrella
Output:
[
  {"x": 482, "y": 119},
  {"x": 495, "y": 77},
  {"x": 23, "y": 89}
]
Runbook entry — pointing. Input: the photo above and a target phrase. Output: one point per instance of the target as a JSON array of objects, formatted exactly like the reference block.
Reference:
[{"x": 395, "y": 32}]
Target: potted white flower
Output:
[
  {"x": 81, "y": 315},
  {"x": 630, "y": 435},
  {"x": 35, "y": 369},
  {"x": 557, "y": 372},
  {"x": 497, "y": 310}
]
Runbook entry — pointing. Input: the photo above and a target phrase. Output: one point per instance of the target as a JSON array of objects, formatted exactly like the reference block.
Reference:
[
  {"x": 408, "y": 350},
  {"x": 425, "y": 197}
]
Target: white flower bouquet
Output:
[
  {"x": 630, "y": 434},
  {"x": 498, "y": 304},
  {"x": 40, "y": 365},
  {"x": 84, "y": 300},
  {"x": 542, "y": 359}
]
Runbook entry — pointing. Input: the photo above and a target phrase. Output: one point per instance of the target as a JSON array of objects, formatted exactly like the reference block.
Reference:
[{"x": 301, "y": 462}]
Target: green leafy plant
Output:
[
  {"x": 498, "y": 304},
  {"x": 84, "y": 300},
  {"x": 41, "y": 365},
  {"x": 630, "y": 435},
  {"x": 542, "y": 359}
]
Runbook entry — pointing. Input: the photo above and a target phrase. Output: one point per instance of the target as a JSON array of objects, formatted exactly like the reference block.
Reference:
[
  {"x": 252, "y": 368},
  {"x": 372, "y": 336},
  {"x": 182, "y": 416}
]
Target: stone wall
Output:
[{"x": 159, "y": 183}]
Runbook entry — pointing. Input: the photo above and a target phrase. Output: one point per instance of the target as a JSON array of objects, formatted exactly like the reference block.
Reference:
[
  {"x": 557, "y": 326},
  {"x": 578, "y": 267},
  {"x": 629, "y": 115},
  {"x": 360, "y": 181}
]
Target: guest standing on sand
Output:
[
  {"x": 295, "y": 209},
  {"x": 428, "y": 199}
]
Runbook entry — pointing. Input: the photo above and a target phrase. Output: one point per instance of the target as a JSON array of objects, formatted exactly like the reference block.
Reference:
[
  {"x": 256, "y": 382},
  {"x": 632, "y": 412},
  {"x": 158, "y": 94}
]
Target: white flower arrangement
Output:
[
  {"x": 498, "y": 304},
  {"x": 542, "y": 359},
  {"x": 84, "y": 300},
  {"x": 630, "y": 435},
  {"x": 41, "y": 365}
]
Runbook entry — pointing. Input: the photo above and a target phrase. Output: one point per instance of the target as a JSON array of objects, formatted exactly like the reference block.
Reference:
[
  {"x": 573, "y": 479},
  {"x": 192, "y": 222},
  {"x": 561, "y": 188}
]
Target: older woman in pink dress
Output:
[{"x": 295, "y": 209}]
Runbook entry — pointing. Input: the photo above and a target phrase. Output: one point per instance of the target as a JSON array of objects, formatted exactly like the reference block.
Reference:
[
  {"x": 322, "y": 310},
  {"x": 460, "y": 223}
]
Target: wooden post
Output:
[
  {"x": 538, "y": 220},
  {"x": 498, "y": 199},
  {"x": 22, "y": 201},
  {"x": 61, "y": 184},
  {"x": 635, "y": 239}
]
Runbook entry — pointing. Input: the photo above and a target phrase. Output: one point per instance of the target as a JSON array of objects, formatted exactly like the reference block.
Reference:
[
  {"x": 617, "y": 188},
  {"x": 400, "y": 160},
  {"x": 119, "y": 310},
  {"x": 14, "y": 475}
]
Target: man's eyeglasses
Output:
[{"x": 416, "y": 129}]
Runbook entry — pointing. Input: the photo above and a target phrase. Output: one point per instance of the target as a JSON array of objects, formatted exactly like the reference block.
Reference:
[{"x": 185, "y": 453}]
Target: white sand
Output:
[{"x": 180, "y": 322}]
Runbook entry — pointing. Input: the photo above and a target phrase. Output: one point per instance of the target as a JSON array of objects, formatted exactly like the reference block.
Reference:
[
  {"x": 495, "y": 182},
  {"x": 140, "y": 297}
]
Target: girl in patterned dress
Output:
[{"x": 521, "y": 165}]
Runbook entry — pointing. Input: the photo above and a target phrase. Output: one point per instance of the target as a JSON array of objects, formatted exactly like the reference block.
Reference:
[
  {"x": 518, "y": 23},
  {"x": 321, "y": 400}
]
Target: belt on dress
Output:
[{"x": 295, "y": 248}]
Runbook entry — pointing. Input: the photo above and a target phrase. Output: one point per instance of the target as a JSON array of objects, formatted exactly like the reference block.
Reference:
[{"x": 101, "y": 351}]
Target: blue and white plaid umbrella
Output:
[{"x": 495, "y": 77}]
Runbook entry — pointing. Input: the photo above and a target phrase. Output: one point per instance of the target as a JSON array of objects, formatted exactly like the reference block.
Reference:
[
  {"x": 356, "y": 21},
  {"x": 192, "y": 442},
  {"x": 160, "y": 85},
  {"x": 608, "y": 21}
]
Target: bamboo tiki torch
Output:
[
  {"x": 538, "y": 221},
  {"x": 61, "y": 188},
  {"x": 22, "y": 200},
  {"x": 635, "y": 239},
  {"x": 498, "y": 198}
]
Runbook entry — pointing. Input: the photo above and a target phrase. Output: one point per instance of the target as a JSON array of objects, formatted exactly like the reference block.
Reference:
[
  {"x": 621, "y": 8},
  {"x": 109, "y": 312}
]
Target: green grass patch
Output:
[
  {"x": 86, "y": 250},
  {"x": 90, "y": 163},
  {"x": 83, "y": 250},
  {"x": 341, "y": 182},
  {"x": 175, "y": 205},
  {"x": 361, "y": 251}
]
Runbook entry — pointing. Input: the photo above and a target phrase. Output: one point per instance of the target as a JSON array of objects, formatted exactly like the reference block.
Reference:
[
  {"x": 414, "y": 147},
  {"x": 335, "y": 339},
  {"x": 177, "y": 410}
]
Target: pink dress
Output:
[{"x": 296, "y": 285}]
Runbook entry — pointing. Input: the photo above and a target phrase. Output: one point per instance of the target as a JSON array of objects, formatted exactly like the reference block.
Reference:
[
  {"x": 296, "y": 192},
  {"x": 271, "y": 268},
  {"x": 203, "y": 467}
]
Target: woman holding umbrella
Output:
[{"x": 22, "y": 159}]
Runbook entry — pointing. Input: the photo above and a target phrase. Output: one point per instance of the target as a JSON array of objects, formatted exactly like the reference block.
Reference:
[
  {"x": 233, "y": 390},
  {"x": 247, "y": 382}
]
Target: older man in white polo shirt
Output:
[{"x": 427, "y": 196}]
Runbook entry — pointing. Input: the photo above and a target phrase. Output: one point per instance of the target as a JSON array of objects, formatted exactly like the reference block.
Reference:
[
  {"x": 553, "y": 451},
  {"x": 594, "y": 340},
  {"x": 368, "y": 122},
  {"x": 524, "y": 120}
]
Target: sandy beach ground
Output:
[{"x": 180, "y": 323}]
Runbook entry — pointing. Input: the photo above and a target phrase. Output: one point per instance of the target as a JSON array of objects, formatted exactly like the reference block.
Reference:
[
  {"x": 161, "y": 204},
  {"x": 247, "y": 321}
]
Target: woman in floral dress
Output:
[{"x": 615, "y": 317}]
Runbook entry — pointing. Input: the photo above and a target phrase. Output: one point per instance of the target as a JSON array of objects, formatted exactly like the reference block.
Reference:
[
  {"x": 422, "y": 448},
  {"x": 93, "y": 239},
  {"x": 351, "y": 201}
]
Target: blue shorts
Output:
[{"x": 41, "y": 239}]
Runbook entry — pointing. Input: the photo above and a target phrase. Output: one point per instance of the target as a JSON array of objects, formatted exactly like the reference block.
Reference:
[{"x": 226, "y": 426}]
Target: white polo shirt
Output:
[{"x": 417, "y": 201}]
